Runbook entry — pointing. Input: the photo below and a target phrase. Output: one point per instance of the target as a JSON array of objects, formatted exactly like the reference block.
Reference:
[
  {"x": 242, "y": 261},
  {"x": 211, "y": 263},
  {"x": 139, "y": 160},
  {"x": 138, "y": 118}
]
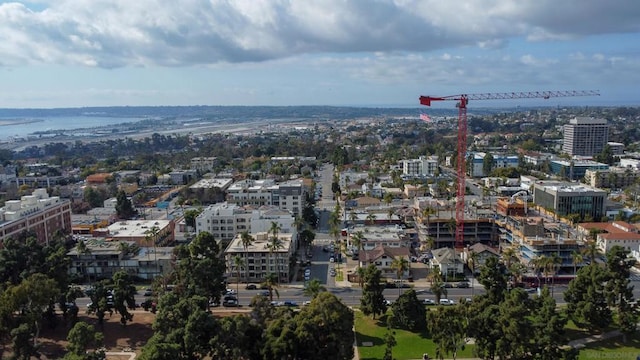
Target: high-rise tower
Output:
[{"x": 584, "y": 136}]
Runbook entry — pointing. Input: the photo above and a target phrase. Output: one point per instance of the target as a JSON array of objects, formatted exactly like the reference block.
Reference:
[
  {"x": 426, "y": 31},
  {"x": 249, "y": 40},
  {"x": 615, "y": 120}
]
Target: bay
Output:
[{"x": 16, "y": 128}]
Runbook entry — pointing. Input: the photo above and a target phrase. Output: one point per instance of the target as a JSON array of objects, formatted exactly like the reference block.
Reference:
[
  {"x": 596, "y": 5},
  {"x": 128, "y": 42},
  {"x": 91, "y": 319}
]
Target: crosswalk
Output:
[{"x": 634, "y": 277}]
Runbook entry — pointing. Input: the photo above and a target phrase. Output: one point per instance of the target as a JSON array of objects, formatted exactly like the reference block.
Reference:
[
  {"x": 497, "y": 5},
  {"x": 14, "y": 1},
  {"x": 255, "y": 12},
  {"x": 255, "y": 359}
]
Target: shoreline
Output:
[{"x": 10, "y": 122}]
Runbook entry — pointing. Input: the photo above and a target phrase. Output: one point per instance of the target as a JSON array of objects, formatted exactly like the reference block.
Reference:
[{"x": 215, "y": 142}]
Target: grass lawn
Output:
[
  {"x": 409, "y": 345},
  {"x": 339, "y": 275},
  {"x": 612, "y": 348}
]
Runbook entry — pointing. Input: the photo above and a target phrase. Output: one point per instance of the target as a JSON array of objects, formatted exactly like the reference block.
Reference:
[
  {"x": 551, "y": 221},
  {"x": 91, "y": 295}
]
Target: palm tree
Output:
[
  {"x": 247, "y": 240},
  {"x": 314, "y": 287},
  {"x": 437, "y": 285},
  {"x": 371, "y": 218},
  {"x": 401, "y": 265},
  {"x": 238, "y": 263},
  {"x": 590, "y": 250},
  {"x": 357, "y": 240},
  {"x": 82, "y": 249},
  {"x": 271, "y": 283},
  {"x": 389, "y": 215},
  {"x": 473, "y": 257},
  {"x": 576, "y": 258},
  {"x": 555, "y": 261},
  {"x": 274, "y": 245},
  {"x": 509, "y": 254},
  {"x": 361, "y": 274},
  {"x": 353, "y": 217},
  {"x": 152, "y": 235}
]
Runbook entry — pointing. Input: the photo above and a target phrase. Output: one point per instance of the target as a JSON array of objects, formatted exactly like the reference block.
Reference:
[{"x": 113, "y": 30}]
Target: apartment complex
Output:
[
  {"x": 39, "y": 213},
  {"x": 575, "y": 169},
  {"x": 104, "y": 258},
  {"x": 477, "y": 167},
  {"x": 565, "y": 198},
  {"x": 260, "y": 257},
  {"x": 225, "y": 220},
  {"x": 613, "y": 178},
  {"x": 288, "y": 195},
  {"x": 585, "y": 136},
  {"x": 423, "y": 166}
]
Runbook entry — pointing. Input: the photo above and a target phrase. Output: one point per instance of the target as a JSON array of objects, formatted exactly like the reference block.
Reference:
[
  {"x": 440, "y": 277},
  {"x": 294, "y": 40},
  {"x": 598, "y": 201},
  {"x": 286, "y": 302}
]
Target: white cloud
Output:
[{"x": 116, "y": 33}]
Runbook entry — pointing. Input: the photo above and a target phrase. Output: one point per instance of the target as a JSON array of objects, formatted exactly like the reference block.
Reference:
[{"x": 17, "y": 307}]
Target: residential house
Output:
[
  {"x": 382, "y": 257},
  {"x": 447, "y": 261}
]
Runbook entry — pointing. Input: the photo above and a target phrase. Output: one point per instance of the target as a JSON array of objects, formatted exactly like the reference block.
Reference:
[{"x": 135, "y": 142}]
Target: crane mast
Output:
[{"x": 462, "y": 102}]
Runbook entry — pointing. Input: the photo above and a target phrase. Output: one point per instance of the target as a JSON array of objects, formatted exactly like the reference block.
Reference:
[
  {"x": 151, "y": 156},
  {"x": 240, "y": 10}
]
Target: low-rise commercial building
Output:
[{"x": 565, "y": 198}]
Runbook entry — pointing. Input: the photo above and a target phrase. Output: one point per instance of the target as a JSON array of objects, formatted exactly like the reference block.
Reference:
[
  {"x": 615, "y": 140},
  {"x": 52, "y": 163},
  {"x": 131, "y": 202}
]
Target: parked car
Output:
[
  {"x": 230, "y": 292},
  {"x": 428, "y": 302},
  {"x": 230, "y": 303},
  {"x": 263, "y": 293},
  {"x": 148, "y": 292},
  {"x": 388, "y": 302},
  {"x": 446, "y": 302},
  {"x": 251, "y": 287},
  {"x": 463, "y": 285}
]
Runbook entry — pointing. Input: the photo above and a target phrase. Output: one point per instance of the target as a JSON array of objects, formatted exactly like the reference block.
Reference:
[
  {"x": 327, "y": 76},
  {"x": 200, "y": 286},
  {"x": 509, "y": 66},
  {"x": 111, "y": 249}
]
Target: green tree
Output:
[
  {"x": 124, "y": 207},
  {"x": 516, "y": 326},
  {"x": 620, "y": 291},
  {"x": 485, "y": 327},
  {"x": 324, "y": 329},
  {"x": 314, "y": 288},
  {"x": 487, "y": 164},
  {"x": 409, "y": 313},
  {"x": 586, "y": 298},
  {"x": 390, "y": 342},
  {"x": 81, "y": 338},
  {"x": 372, "y": 301},
  {"x": 493, "y": 276},
  {"x": 124, "y": 292},
  {"x": 200, "y": 269},
  {"x": 190, "y": 217},
  {"x": 448, "y": 330},
  {"x": 547, "y": 328}
]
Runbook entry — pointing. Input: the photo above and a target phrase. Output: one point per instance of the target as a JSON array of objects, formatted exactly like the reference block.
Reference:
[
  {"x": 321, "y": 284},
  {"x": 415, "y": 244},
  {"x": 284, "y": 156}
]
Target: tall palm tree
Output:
[
  {"x": 357, "y": 240},
  {"x": 274, "y": 245},
  {"x": 590, "y": 250},
  {"x": 555, "y": 261},
  {"x": 238, "y": 263},
  {"x": 576, "y": 258},
  {"x": 401, "y": 265},
  {"x": 247, "y": 240},
  {"x": 473, "y": 258},
  {"x": 271, "y": 284},
  {"x": 82, "y": 249},
  {"x": 509, "y": 254},
  {"x": 152, "y": 235},
  {"x": 353, "y": 217},
  {"x": 314, "y": 287}
]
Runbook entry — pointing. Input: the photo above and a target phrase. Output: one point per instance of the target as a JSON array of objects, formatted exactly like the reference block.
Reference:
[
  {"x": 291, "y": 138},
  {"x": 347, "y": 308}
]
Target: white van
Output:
[{"x": 446, "y": 302}]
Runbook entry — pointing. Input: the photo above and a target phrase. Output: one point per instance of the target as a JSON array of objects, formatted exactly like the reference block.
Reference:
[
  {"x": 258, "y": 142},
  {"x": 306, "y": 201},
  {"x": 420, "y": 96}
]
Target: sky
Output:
[{"x": 79, "y": 53}]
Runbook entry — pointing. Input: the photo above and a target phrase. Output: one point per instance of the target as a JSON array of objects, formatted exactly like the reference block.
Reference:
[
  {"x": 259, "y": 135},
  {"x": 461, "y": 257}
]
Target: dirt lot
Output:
[{"x": 116, "y": 337}]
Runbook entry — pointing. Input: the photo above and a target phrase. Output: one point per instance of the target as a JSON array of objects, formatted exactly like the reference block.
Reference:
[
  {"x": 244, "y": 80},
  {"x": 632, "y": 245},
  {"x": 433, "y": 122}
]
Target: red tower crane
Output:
[{"x": 462, "y": 101}]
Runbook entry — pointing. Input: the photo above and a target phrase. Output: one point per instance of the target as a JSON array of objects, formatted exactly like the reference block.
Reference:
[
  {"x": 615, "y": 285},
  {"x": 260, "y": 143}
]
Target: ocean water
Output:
[{"x": 57, "y": 123}]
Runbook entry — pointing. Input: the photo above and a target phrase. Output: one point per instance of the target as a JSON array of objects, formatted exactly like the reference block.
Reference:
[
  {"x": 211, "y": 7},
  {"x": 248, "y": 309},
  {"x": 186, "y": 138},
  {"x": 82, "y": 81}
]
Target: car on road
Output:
[
  {"x": 428, "y": 302},
  {"x": 332, "y": 273},
  {"x": 388, "y": 302},
  {"x": 463, "y": 285},
  {"x": 447, "y": 302},
  {"x": 230, "y": 292},
  {"x": 251, "y": 287},
  {"x": 148, "y": 292},
  {"x": 264, "y": 293},
  {"x": 230, "y": 302},
  {"x": 306, "y": 302},
  {"x": 332, "y": 259}
]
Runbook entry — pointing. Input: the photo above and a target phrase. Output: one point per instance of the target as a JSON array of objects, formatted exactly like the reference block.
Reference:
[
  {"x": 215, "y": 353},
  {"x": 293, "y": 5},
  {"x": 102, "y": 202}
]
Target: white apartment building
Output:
[
  {"x": 423, "y": 166},
  {"x": 288, "y": 195},
  {"x": 37, "y": 212},
  {"x": 203, "y": 164},
  {"x": 260, "y": 258},
  {"x": 225, "y": 221}
]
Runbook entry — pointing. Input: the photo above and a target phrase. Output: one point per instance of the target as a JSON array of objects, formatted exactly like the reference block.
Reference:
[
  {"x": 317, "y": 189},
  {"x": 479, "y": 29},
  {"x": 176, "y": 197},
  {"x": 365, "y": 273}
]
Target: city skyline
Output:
[{"x": 77, "y": 53}]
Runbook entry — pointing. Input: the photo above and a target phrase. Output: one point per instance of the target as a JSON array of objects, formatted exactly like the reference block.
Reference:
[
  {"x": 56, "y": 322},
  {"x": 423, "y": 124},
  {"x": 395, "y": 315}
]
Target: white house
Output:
[
  {"x": 448, "y": 261},
  {"x": 382, "y": 257}
]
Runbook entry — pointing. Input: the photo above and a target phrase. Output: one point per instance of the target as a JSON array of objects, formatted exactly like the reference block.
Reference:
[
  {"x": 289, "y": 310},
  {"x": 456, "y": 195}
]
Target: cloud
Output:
[{"x": 119, "y": 33}]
